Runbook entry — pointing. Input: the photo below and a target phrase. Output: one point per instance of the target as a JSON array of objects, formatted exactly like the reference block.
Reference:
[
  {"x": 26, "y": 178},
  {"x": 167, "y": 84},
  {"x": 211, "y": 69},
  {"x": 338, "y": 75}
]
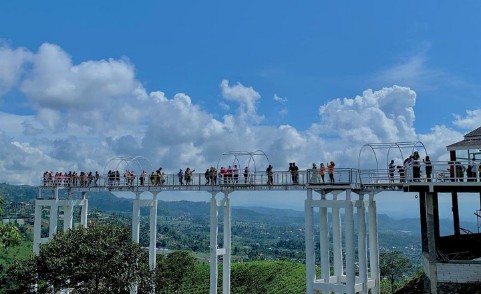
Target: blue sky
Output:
[{"x": 179, "y": 82}]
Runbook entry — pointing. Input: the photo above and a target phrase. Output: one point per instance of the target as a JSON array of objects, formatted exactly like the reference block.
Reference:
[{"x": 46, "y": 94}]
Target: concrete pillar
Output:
[
  {"x": 373, "y": 245},
  {"x": 153, "y": 233},
  {"x": 68, "y": 215},
  {"x": 361, "y": 243},
  {"x": 337, "y": 240},
  {"x": 226, "y": 270},
  {"x": 309, "y": 235},
  {"x": 213, "y": 244},
  {"x": 37, "y": 226},
  {"x": 53, "y": 218},
  {"x": 350, "y": 249},
  {"x": 84, "y": 212},
  {"x": 136, "y": 218},
  {"x": 455, "y": 209},
  {"x": 423, "y": 220},
  {"x": 324, "y": 241},
  {"x": 432, "y": 258}
]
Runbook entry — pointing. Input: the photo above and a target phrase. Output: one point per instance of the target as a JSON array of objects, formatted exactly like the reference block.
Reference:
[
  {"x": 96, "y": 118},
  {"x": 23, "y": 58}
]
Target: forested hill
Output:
[{"x": 110, "y": 203}]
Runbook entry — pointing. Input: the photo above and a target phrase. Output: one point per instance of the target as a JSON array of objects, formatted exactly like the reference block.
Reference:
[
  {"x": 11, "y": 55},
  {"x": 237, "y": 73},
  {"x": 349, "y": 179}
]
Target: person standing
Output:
[
  {"x": 392, "y": 168},
  {"x": 246, "y": 174},
  {"x": 330, "y": 170},
  {"x": 270, "y": 179},
  {"x": 296, "y": 173},
  {"x": 291, "y": 170},
  {"x": 180, "y": 175},
  {"x": 416, "y": 166},
  {"x": 235, "y": 172},
  {"x": 97, "y": 178},
  {"x": 142, "y": 177},
  {"x": 322, "y": 171},
  {"x": 428, "y": 167}
]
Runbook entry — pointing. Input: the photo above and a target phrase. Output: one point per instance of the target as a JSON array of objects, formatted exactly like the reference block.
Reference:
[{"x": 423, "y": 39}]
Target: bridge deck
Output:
[{"x": 344, "y": 178}]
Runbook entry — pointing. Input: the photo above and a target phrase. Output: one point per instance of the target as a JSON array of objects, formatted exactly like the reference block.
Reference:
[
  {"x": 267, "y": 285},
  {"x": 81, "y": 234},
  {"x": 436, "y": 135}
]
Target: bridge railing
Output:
[
  {"x": 341, "y": 176},
  {"x": 441, "y": 171}
]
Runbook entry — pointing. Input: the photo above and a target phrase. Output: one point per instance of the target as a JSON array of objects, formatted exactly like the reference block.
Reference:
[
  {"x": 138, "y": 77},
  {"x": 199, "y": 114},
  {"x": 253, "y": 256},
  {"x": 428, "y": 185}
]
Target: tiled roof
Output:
[
  {"x": 475, "y": 133},
  {"x": 472, "y": 140}
]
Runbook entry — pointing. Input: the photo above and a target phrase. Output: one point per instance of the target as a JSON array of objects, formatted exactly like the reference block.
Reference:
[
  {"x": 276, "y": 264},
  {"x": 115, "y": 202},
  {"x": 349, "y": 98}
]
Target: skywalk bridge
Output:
[{"x": 355, "y": 267}]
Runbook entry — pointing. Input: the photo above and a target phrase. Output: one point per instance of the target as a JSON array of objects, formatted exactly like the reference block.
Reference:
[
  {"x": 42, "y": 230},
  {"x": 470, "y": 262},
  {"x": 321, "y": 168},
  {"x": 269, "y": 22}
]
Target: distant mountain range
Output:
[{"x": 108, "y": 202}]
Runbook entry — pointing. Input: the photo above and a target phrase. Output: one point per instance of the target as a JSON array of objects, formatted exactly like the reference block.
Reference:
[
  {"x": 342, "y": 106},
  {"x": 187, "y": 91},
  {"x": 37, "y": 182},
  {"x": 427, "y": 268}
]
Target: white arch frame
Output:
[
  {"x": 399, "y": 145},
  {"x": 130, "y": 162},
  {"x": 251, "y": 155}
]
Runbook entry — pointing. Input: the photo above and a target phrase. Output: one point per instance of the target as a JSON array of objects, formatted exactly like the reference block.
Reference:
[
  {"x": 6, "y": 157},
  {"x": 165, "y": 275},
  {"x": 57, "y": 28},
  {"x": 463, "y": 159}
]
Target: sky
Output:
[{"x": 182, "y": 82}]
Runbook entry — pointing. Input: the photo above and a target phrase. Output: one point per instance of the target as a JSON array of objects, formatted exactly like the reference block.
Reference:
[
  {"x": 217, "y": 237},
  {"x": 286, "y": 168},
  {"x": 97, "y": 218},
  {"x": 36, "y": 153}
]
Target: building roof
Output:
[{"x": 472, "y": 140}]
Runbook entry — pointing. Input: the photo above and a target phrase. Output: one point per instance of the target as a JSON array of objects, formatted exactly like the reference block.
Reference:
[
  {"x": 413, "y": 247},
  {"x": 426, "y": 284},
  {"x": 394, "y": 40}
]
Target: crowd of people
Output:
[
  {"x": 409, "y": 170},
  {"x": 226, "y": 175},
  {"x": 71, "y": 179}
]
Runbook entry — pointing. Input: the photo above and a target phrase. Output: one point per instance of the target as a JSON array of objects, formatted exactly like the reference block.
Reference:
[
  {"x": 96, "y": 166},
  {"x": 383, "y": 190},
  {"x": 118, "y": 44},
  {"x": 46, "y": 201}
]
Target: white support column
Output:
[
  {"x": 136, "y": 218},
  {"x": 53, "y": 216},
  {"x": 85, "y": 208},
  {"x": 373, "y": 245},
  {"x": 153, "y": 233},
  {"x": 350, "y": 250},
  {"x": 213, "y": 245},
  {"x": 309, "y": 232},
  {"x": 324, "y": 241},
  {"x": 37, "y": 227},
  {"x": 68, "y": 215},
  {"x": 432, "y": 266},
  {"x": 361, "y": 242},
  {"x": 227, "y": 246},
  {"x": 337, "y": 240}
]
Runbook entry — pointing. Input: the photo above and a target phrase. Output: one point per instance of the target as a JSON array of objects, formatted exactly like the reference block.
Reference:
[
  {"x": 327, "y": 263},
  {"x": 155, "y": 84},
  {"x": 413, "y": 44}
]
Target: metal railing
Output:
[
  {"x": 439, "y": 171},
  {"x": 340, "y": 176}
]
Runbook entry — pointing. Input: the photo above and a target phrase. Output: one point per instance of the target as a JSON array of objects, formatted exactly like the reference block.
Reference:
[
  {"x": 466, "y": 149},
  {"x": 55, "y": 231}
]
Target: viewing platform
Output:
[
  {"x": 342, "y": 198},
  {"x": 377, "y": 180}
]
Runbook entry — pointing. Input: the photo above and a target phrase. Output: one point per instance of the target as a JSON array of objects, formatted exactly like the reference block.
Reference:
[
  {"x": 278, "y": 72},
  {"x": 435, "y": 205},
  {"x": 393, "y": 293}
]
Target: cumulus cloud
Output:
[
  {"x": 376, "y": 116},
  {"x": 56, "y": 83},
  {"x": 12, "y": 62},
  {"x": 88, "y": 113},
  {"x": 471, "y": 121},
  {"x": 245, "y": 96}
]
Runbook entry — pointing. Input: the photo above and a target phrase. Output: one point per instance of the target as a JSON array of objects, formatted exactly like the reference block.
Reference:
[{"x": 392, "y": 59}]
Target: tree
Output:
[
  {"x": 393, "y": 265},
  {"x": 98, "y": 259},
  {"x": 173, "y": 271},
  {"x": 9, "y": 233}
]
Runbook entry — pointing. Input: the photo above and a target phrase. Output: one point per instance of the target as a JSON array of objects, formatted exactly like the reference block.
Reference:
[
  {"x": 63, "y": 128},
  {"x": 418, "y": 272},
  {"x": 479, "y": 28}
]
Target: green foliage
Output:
[
  {"x": 393, "y": 266},
  {"x": 268, "y": 277},
  {"x": 100, "y": 259},
  {"x": 18, "y": 193},
  {"x": 9, "y": 233},
  {"x": 174, "y": 271}
]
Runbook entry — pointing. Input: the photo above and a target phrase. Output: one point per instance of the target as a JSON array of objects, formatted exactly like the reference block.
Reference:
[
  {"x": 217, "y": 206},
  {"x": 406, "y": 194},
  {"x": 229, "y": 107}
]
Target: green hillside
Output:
[{"x": 256, "y": 277}]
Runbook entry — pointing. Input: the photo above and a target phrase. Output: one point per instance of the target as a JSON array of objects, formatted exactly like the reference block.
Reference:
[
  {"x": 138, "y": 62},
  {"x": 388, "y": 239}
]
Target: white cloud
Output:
[
  {"x": 470, "y": 122},
  {"x": 279, "y": 99},
  {"x": 56, "y": 83},
  {"x": 376, "y": 116},
  {"x": 245, "y": 96},
  {"x": 12, "y": 63},
  {"x": 89, "y": 113}
]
